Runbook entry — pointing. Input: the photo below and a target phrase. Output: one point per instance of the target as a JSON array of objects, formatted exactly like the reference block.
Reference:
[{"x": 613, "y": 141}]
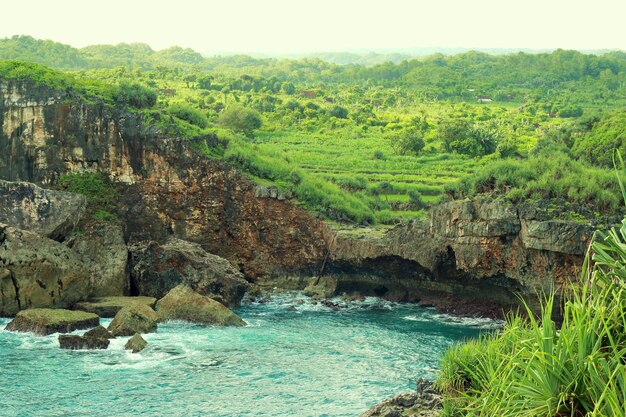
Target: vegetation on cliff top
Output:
[{"x": 374, "y": 144}]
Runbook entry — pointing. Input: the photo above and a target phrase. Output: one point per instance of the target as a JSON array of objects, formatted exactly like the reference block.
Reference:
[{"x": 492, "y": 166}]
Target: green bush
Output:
[
  {"x": 606, "y": 135},
  {"x": 240, "y": 119},
  {"x": 135, "y": 95},
  {"x": 189, "y": 114},
  {"x": 544, "y": 176}
]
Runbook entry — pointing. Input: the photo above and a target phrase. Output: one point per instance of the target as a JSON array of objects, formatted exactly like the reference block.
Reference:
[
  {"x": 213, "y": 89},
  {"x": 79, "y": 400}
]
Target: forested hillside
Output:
[{"x": 371, "y": 144}]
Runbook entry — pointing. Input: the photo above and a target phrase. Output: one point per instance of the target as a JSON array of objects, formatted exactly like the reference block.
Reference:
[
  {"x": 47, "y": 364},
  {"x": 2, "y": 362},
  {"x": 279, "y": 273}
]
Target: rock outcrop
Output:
[
  {"x": 48, "y": 213},
  {"x": 469, "y": 253},
  {"x": 183, "y": 303},
  {"x": 156, "y": 269},
  {"x": 136, "y": 343},
  {"x": 136, "y": 318},
  {"x": 424, "y": 402},
  {"x": 102, "y": 248},
  {"x": 110, "y": 306},
  {"x": 470, "y": 257},
  {"x": 38, "y": 272},
  {"x": 45, "y": 321}
]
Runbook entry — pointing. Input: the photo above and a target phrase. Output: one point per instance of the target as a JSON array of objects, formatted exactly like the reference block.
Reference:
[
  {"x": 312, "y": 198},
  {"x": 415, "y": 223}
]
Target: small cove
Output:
[{"x": 293, "y": 359}]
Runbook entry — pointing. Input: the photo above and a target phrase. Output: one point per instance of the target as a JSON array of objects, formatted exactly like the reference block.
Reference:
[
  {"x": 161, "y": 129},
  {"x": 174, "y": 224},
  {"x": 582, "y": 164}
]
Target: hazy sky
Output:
[{"x": 282, "y": 26}]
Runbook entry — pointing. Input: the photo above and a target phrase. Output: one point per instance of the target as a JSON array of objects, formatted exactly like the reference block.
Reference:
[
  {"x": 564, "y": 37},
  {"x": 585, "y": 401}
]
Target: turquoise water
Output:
[{"x": 292, "y": 360}]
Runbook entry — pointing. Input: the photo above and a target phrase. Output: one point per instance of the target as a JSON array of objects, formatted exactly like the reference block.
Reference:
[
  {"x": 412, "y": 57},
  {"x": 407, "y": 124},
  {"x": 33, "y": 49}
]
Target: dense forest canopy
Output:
[{"x": 371, "y": 144}]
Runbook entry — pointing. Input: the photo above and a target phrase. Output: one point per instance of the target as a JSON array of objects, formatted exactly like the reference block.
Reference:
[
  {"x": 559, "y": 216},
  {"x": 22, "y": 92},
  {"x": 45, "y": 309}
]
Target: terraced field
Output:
[{"x": 356, "y": 164}]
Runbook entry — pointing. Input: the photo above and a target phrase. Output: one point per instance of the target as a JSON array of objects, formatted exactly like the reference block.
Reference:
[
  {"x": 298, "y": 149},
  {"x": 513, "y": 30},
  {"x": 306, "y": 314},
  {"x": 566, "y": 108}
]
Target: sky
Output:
[{"x": 296, "y": 26}]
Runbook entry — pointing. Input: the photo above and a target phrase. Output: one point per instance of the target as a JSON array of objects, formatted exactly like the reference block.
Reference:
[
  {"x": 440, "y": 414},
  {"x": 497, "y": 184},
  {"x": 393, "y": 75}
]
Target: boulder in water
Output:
[
  {"x": 45, "y": 321},
  {"x": 183, "y": 303},
  {"x": 135, "y": 318},
  {"x": 136, "y": 343},
  {"x": 74, "y": 342}
]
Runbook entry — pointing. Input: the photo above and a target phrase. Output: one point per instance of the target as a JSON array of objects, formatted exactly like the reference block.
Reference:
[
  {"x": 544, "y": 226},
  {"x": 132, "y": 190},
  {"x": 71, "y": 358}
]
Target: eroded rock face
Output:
[
  {"x": 159, "y": 268},
  {"x": 470, "y": 255},
  {"x": 45, "y": 321},
  {"x": 45, "y": 212},
  {"x": 102, "y": 248},
  {"x": 167, "y": 189},
  {"x": 136, "y": 318},
  {"x": 183, "y": 303},
  {"x": 38, "y": 272}
]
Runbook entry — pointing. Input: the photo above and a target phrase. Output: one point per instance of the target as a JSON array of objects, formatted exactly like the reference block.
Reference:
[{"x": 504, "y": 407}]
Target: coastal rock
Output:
[
  {"x": 110, "y": 306},
  {"x": 182, "y": 303},
  {"x": 101, "y": 246},
  {"x": 321, "y": 287},
  {"x": 156, "y": 269},
  {"x": 136, "y": 318},
  {"x": 136, "y": 343},
  {"x": 38, "y": 272},
  {"x": 74, "y": 342},
  {"x": 48, "y": 213},
  {"x": 471, "y": 257},
  {"x": 45, "y": 321},
  {"x": 425, "y": 402}
]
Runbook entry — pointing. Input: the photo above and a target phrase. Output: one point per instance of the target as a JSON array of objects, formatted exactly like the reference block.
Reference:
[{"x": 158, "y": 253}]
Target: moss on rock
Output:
[
  {"x": 135, "y": 318},
  {"x": 183, "y": 303},
  {"x": 136, "y": 343},
  {"x": 45, "y": 321}
]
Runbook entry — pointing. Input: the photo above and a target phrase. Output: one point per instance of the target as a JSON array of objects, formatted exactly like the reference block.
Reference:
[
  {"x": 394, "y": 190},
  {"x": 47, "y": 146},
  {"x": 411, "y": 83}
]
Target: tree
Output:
[
  {"x": 462, "y": 137},
  {"x": 407, "y": 141},
  {"x": 204, "y": 82},
  {"x": 240, "y": 119},
  {"x": 338, "y": 112}
]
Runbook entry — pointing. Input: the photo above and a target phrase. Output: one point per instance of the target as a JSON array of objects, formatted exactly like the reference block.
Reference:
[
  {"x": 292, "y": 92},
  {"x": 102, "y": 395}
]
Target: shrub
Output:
[
  {"x": 240, "y": 119},
  {"x": 135, "y": 95},
  {"x": 189, "y": 114}
]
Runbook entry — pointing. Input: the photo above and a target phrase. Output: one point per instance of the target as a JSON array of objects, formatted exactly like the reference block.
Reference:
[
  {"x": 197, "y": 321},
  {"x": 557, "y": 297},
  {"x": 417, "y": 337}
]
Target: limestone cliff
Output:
[
  {"x": 470, "y": 256},
  {"x": 167, "y": 188}
]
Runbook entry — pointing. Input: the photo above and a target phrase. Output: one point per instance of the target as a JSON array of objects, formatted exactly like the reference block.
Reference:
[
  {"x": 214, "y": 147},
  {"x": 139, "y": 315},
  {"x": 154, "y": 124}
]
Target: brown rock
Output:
[
  {"x": 48, "y": 213},
  {"x": 101, "y": 246},
  {"x": 74, "y": 342},
  {"x": 99, "y": 332},
  {"x": 159, "y": 268}
]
